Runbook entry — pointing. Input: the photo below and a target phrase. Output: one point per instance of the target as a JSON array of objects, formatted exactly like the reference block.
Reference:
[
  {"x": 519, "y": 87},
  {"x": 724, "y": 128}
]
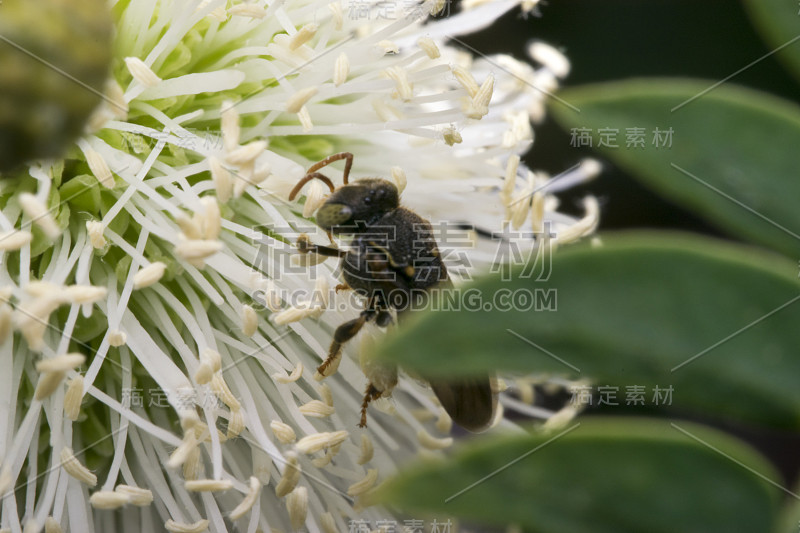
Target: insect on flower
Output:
[{"x": 393, "y": 262}]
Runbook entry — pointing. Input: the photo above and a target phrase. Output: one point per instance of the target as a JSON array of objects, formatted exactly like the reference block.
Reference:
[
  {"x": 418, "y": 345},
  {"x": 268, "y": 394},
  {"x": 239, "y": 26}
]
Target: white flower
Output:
[{"x": 221, "y": 109}]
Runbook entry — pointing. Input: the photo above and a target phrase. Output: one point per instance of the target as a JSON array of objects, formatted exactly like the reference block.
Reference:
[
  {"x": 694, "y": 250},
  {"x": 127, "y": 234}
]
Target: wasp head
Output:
[{"x": 351, "y": 208}]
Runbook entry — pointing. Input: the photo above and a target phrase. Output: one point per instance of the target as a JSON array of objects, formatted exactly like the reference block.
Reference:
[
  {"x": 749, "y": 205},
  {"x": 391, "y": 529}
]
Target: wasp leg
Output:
[
  {"x": 343, "y": 287},
  {"x": 370, "y": 394},
  {"x": 332, "y": 159},
  {"x": 344, "y": 333},
  {"x": 384, "y": 318},
  {"x": 304, "y": 246}
]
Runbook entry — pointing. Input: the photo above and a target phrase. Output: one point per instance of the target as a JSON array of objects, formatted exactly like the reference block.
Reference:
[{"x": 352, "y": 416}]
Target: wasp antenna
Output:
[
  {"x": 332, "y": 159},
  {"x": 308, "y": 177}
]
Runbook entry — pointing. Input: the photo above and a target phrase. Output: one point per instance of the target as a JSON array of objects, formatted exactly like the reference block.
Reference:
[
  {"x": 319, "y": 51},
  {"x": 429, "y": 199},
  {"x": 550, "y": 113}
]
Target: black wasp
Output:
[{"x": 394, "y": 262}]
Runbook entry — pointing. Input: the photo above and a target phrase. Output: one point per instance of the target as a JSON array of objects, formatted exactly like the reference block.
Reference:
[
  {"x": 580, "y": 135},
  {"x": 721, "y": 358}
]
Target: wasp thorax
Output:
[{"x": 357, "y": 205}]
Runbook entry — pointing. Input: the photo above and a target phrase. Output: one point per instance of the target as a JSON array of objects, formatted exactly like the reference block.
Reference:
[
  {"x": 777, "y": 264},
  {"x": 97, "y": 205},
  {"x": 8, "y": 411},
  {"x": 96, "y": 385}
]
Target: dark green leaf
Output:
[
  {"x": 779, "y": 22},
  {"x": 603, "y": 475},
  {"x": 733, "y": 157},
  {"x": 789, "y": 519},
  {"x": 716, "y": 322}
]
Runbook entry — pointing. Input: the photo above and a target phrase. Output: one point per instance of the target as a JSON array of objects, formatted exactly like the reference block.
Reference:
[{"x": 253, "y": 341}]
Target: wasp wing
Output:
[{"x": 470, "y": 402}]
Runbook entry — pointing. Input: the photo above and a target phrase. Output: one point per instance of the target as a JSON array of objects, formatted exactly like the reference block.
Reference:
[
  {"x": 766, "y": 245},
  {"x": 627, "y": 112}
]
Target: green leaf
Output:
[
  {"x": 716, "y": 322},
  {"x": 789, "y": 519},
  {"x": 83, "y": 193},
  {"x": 603, "y": 475},
  {"x": 733, "y": 157},
  {"x": 60, "y": 213},
  {"x": 87, "y": 328},
  {"x": 779, "y": 24}
]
